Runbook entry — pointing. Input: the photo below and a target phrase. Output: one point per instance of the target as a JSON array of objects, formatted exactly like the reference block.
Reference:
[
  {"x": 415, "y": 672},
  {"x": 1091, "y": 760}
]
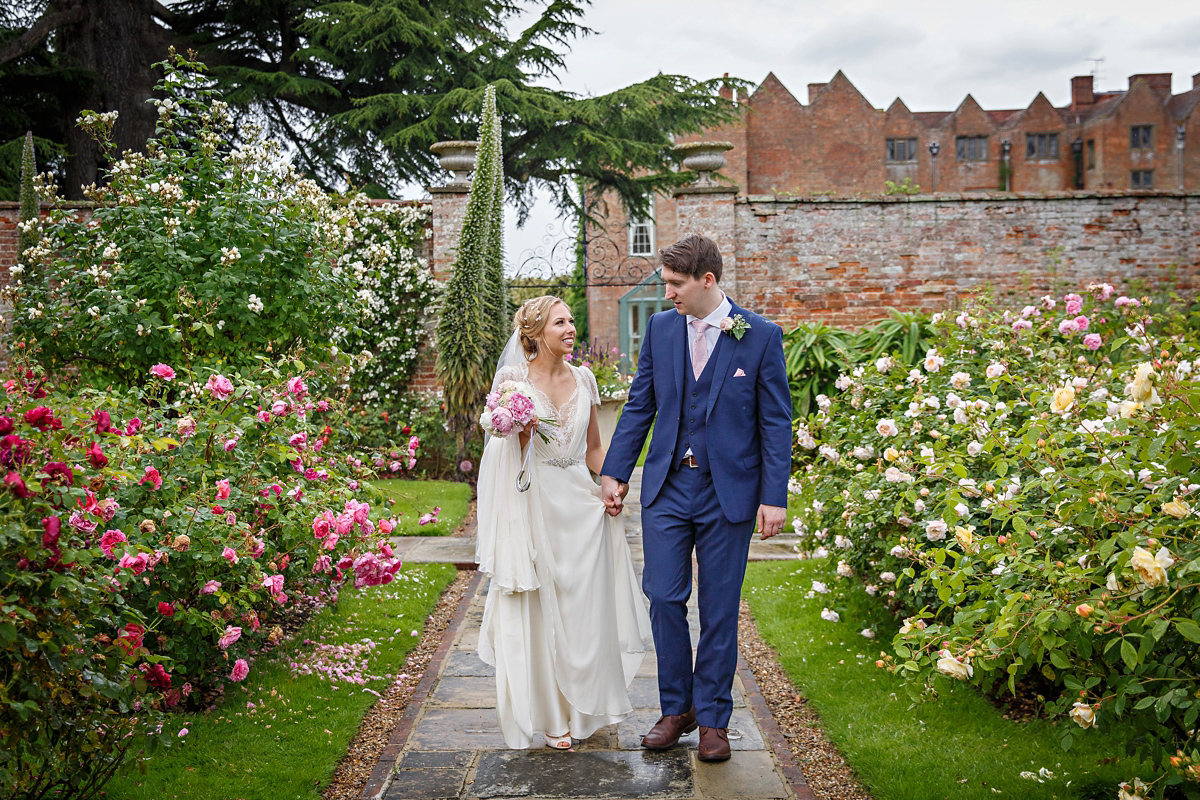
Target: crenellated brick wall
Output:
[{"x": 845, "y": 261}]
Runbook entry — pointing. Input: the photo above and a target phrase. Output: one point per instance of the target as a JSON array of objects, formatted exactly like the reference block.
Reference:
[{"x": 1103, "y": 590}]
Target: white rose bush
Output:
[{"x": 1032, "y": 513}]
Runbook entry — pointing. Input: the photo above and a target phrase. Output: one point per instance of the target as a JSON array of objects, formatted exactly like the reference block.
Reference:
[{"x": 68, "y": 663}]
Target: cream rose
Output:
[
  {"x": 1084, "y": 715},
  {"x": 886, "y": 427},
  {"x": 953, "y": 667},
  {"x": 1064, "y": 398},
  {"x": 1141, "y": 388},
  {"x": 1152, "y": 569},
  {"x": 1176, "y": 508}
]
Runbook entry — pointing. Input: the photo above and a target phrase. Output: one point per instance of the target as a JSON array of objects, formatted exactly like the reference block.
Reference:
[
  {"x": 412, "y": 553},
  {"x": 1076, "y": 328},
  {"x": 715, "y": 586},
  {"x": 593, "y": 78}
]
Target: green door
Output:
[{"x": 635, "y": 309}]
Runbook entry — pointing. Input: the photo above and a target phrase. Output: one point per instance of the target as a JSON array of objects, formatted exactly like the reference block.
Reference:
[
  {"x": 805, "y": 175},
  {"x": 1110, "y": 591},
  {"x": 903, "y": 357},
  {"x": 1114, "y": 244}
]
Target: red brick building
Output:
[{"x": 1142, "y": 140}]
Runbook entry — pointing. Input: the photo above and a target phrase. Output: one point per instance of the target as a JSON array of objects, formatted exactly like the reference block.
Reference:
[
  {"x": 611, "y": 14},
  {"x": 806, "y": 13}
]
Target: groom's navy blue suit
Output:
[{"x": 736, "y": 418}]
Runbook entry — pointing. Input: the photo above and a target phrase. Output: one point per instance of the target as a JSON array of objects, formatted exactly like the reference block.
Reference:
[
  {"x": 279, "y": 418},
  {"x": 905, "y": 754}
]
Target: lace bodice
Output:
[{"x": 578, "y": 405}]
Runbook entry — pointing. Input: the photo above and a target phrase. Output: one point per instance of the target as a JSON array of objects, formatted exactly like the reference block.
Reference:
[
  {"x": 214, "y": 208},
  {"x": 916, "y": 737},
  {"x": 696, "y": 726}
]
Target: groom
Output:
[{"x": 711, "y": 379}]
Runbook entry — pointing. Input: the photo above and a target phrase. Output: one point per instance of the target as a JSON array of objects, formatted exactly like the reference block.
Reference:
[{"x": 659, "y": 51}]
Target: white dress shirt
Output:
[{"x": 712, "y": 333}]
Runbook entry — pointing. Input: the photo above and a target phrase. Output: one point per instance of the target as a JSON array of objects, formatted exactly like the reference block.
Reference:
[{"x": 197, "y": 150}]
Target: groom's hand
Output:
[
  {"x": 613, "y": 492},
  {"x": 770, "y": 520}
]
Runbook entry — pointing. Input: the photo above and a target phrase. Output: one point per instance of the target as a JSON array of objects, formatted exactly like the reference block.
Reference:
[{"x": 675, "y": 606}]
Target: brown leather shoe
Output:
[
  {"x": 668, "y": 729},
  {"x": 714, "y": 744}
]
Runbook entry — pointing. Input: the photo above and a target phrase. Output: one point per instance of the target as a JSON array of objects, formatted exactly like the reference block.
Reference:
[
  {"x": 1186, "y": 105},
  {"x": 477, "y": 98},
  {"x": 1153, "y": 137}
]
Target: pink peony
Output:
[
  {"x": 502, "y": 421},
  {"x": 152, "y": 477},
  {"x": 110, "y": 540},
  {"x": 230, "y": 555},
  {"x": 1092, "y": 341},
  {"x": 492, "y": 400},
  {"x": 223, "y": 489},
  {"x": 219, "y": 386},
  {"x": 210, "y": 587},
  {"x": 240, "y": 670},
  {"x": 232, "y": 634},
  {"x": 163, "y": 371},
  {"x": 521, "y": 408}
]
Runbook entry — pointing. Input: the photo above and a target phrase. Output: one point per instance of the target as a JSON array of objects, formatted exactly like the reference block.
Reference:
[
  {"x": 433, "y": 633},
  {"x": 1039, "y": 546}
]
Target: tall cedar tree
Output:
[
  {"x": 466, "y": 334},
  {"x": 359, "y": 90}
]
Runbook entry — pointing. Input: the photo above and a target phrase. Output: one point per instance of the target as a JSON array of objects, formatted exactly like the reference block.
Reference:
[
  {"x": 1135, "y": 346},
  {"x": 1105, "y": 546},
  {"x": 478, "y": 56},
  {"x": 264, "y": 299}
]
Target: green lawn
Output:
[
  {"x": 289, "y": 743},
  {"x": 958, "y": 746},
  {"x": 415, "y": 498}
]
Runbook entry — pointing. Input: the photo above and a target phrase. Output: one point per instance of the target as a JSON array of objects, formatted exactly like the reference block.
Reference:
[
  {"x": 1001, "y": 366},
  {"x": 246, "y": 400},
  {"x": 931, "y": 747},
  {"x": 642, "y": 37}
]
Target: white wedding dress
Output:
[{"x": 565, "y": 624}]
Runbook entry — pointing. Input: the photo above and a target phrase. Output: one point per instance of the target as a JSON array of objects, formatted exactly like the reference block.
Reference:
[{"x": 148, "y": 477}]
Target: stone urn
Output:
[
  {"x": 457, "y": 157},
  {"x": 606, "y": 417},
  {"x": 703, "y": 158}
]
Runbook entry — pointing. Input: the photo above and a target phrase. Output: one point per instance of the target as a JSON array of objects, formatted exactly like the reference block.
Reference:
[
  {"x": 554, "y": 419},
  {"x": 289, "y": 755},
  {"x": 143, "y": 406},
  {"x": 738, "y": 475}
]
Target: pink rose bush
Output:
[
  {"x": 167, "y": 570},
  {"x": 1037, "y": 519}
]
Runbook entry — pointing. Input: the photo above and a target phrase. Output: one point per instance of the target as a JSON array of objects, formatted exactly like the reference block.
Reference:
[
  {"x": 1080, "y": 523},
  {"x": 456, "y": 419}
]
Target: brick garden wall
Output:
[{"x": 846, "y": 261}]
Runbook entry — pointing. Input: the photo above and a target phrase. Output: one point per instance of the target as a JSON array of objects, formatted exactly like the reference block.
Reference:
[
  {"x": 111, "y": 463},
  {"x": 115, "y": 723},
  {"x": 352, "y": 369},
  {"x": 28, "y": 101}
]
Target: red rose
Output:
[
  {"x": 406, "y": 430},
  {"x": 157, "y": 677},
  {"x": 6, "y": 426},
  {"x": 14, "y": 482},
  {"x": 14, "y": 451},
  {"x": 131, "y": 639},
  {"x": 166, "y": 609},
  {"x": 43, "y": 419},
  {"x": 96, "y": 456},
  {"x": 103, "y": 421},
  {"x": 57, "y": 469},
  {"x": 51, "y": 527}
]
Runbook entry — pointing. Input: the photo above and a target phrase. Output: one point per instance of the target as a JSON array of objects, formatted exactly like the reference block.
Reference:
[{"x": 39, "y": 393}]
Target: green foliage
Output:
[
  {"x": 230, "y": 752},
  {"x": 815, "y": 353},
  {"x": 467, "y": 329},
  {"x": 605, "y": 365},
  {"x": 1025, "y": 500},
  {"x": 905, "y": 187},
  {"x": 903, "y": 333},
  {"x": 137, "y": 528},
  {"x": 359, "y": 91},
  {"x": 195, "y": 254},
  {"x": 490, "y": 171},
  {"x": 412, "y": 501}
]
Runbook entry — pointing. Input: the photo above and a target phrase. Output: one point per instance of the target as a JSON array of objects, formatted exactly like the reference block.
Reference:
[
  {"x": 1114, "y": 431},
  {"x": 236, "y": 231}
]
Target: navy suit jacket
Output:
[{"x": 749, "y": 415}]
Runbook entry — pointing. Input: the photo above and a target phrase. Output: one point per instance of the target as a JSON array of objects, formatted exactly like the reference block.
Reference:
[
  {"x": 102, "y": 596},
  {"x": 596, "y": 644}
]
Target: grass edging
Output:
[
  {"x": 414, "y": 498},
  {"x": 283, "y": 734},
  {"x": 958, "y": 746}
]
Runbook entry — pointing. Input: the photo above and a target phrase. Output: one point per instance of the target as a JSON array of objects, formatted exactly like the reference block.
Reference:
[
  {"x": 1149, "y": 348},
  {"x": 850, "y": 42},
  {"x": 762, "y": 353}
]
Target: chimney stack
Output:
[
  {"x": 1082, "y": 92},
  {"x": 1196, "y": 81},
  {"x": 1158, "y": 81},
  {"x": 726, "y": 89},
  {"x": 814, "y": 89}
]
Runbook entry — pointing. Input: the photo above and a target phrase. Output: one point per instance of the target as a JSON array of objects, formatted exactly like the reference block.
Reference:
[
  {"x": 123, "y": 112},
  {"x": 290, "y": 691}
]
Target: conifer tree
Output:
[{"x": 467, "y": 328}]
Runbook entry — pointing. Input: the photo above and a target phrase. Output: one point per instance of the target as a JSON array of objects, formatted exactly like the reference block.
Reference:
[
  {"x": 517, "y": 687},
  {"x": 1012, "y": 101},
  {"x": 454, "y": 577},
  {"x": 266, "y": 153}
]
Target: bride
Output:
[{"x": 564, "y": 622}]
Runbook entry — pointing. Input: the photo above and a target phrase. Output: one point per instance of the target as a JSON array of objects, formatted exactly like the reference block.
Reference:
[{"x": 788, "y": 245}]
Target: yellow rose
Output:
[
  {"x": 1177, "y": 508},
  {"x": 1129, "y": 409},
  {"x": 1152, "y": 569},
  {"x": 1141, "y": 388},
  {"x": 891, "y": 454},
  {"x": 965, "y": 536},
  {"x": 1064, "y": 398}
]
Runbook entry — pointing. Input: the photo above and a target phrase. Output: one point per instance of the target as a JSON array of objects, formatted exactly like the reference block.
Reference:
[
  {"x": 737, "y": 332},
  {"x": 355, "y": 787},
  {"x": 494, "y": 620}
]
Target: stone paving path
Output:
[{"x": 450, "y": 745}]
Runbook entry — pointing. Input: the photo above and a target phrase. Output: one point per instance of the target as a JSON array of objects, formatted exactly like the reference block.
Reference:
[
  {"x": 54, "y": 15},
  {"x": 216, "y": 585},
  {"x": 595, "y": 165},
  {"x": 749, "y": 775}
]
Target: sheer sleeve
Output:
[
  {"x": 504, "y": 542},
  {"x": 509, "y": 373},
  {"x": 589, "y": 382}
]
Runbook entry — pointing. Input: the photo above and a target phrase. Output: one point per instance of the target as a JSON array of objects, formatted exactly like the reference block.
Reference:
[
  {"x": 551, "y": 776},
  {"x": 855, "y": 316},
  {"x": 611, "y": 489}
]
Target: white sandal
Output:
[{"x": 559, "y": 742}]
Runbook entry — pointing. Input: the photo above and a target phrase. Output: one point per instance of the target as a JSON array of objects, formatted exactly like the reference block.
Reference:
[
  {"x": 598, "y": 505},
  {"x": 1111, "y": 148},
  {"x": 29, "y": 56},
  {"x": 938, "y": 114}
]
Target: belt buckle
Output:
[{"x": 690, "y": 461}]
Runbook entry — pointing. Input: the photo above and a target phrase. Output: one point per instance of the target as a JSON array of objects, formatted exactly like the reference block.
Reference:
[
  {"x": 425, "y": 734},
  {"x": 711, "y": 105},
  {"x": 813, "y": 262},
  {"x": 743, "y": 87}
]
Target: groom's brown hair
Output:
[{"x": 693, "y": 255}]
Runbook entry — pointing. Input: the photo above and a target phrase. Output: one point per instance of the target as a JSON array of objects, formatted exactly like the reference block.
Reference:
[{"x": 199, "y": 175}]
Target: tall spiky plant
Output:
[
  {"x": 29, "y": 201},
  {"x": 493, "y": 270},
  {"x": 467, "y": 328}
]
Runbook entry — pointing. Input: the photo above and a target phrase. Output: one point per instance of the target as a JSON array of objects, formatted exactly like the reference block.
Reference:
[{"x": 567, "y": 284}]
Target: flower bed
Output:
[
  {"x": 152, "y": 538},
  {"x": 1024, "y": 500}
]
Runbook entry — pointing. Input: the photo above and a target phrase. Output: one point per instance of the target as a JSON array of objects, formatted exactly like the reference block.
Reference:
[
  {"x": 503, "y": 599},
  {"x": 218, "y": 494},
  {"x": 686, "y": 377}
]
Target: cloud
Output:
[
  {"x": 1177, "y": 35},
  {"x": 847, "y": 42}
]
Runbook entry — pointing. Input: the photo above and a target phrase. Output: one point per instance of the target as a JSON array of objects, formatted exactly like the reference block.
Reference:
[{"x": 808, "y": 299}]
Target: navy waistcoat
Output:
[{"x": 692, "y": 426}]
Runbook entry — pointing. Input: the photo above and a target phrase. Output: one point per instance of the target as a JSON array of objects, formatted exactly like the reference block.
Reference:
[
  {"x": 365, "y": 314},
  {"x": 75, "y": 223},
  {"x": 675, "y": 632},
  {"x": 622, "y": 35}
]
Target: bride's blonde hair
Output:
[{"x": 530, "y": 320}]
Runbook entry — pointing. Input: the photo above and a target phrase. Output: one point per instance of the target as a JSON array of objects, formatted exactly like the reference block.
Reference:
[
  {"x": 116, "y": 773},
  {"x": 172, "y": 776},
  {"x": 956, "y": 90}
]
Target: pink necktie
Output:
[{"x": 699, "y": 347}]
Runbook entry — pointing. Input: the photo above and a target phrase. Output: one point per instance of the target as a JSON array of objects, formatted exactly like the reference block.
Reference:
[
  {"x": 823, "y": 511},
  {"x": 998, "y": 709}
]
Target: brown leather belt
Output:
[{"x": 689, "y": 461}]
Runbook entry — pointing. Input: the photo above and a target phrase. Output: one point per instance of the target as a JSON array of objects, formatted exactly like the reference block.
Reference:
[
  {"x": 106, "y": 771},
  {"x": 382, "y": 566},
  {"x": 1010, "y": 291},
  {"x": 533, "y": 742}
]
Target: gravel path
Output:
[
  {"x": 826, "y": 772},
  {"x": 355, "y": 767}
]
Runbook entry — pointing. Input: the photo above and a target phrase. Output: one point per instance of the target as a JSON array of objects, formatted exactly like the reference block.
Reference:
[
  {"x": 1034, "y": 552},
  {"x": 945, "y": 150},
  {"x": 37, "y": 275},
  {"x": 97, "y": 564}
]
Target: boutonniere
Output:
[{"x": 736, "y": 326}]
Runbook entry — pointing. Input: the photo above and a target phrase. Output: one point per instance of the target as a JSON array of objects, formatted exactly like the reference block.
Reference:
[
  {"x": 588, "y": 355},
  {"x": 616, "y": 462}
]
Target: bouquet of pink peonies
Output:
[{"x": 510, "y": 411}]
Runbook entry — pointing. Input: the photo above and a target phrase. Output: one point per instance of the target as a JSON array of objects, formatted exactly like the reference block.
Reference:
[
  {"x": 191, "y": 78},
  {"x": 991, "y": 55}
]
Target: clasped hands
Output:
[{"x": 769, "y": 522}]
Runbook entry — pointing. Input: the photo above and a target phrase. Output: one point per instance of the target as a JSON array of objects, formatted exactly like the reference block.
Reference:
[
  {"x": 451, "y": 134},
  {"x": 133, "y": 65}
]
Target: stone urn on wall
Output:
[
  {"x": 606, "y": 418},
  {"x": 457, "y": 157},
  {"x": 703, "y": 158}
]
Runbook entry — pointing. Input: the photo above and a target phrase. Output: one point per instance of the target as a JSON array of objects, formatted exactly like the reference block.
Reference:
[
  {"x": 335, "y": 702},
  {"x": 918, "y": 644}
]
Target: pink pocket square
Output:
[{"x": 739, "y": 373}]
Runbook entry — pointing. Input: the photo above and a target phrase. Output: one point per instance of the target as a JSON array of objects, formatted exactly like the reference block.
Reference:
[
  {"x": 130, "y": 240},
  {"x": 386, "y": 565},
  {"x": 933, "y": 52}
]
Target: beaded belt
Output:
[{"x": 562, "y": 462}]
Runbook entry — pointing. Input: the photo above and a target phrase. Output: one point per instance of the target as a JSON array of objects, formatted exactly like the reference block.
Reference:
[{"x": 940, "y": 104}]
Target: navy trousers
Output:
[{"x": 685, "y": 516}]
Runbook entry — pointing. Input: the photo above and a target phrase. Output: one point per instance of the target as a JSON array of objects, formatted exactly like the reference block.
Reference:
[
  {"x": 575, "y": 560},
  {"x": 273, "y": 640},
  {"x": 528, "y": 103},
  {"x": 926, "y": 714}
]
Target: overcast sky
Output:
[{"x": 930, "y": 53}]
